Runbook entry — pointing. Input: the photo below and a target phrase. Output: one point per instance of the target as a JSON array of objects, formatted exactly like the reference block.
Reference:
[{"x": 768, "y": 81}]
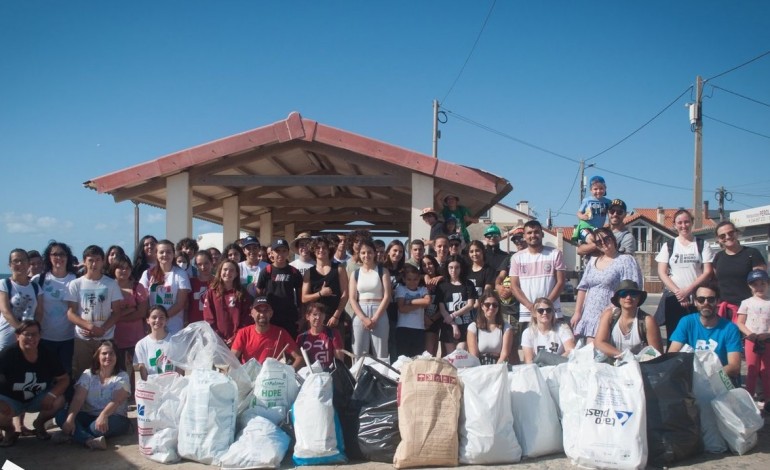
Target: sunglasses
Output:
[
  {"x": 706, "y": 300},
  {"x": 629, "y": 293},
  {"x": 544, "y": 311},
  {"x": 518, "y": 239},
  {"x": 601, "y": 241},
  {"x": 491, "y": 305},
  {"x": 723, "y": 236},
  {"x": 491, "y": 235},
  {"x": 617, "y": 211}
]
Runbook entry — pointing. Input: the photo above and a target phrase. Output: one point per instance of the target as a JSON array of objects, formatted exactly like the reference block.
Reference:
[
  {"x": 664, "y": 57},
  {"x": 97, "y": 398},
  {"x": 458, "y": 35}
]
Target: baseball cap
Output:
[
  {"x": 492, "y": 230},
  {"x": 757, "y": 275},
  {"x": 455, "y": 237},
  {"x": 518, "y": 232},
  {"x": 261, "y": 300},
  {"x": 280, "y": 243},
  {"x": 596, "y": 179},
  {"x": 619, "y": 202},
  {"x": 250, "y": 241}
]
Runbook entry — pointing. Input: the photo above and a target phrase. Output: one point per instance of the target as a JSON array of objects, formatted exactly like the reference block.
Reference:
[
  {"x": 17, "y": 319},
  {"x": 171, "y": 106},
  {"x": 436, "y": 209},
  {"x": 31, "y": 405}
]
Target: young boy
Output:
[
  {"x": 150, "y": 352},
  {"x": 412, "y": 299},
  {"x": 593, "y": 210},
  {"x": 281, "y": 283},
  {"x": 754, "y": 322}
]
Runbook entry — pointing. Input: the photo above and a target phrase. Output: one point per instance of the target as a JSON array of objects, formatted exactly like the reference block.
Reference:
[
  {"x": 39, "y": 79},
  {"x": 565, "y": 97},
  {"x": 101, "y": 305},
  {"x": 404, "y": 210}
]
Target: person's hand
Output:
[
  {"x": 96, "y": 331},
  {"x": 325, "y": 291},
  {"x": 101, "y": 424},
  {"x": 69, "y": 425},
  {"x": 682, "y": 295},
  {"x": 573, "y": 322},
  {"x": 455, "y": 331},
  {"x": 373, "y": 322},
  {"x": 332, "y": 322}
]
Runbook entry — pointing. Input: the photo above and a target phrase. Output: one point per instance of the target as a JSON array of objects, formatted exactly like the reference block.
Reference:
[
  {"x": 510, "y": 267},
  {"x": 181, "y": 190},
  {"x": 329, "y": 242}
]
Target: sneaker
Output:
[
  {"x": 97, "y": 443},
  {"x": 61, "y": 438}
]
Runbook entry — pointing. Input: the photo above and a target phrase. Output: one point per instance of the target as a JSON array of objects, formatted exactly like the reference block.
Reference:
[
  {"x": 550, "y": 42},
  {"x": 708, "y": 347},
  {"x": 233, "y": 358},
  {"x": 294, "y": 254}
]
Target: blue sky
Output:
[{"x": 87, "y": 88}]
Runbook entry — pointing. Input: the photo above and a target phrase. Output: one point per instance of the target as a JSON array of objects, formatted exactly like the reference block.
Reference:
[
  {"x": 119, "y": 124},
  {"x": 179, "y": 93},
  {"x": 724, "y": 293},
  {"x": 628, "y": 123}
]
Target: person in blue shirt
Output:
[
  {"x": 706, "y": 330},
  {"x": 592, "y": 213}
]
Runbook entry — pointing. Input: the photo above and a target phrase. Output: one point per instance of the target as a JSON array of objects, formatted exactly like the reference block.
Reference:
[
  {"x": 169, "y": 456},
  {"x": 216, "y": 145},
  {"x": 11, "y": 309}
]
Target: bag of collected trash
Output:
[
  {"x": 709, "y": 381},
  {"x": 261, "y": 444},
  {"x": 207, "y": 421},
  {"x": 552, "y": 376},
  {"x": 158, "y": 406},
  {"x": 316, "y": 428},
  {"x": 372, "y": 428},
  {"x": 380, "y": 365},
  {"x": 603, "y": 415},
  {"x": 428, "y": 414},
  {"x": 673, "y": 423},
  {"x": 535, "y": 416},
  {"x": 461, "y": 358},
  {"x": 486, "y": 421},
  {"x": 738, "y": 419},
  {"x": 545, "y": 358},
  {"x": 276, "y": 387}
]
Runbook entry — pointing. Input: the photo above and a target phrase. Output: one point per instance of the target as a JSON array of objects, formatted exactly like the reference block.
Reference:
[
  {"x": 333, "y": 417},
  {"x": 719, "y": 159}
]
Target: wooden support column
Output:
[{"x": 178, "y": 207}]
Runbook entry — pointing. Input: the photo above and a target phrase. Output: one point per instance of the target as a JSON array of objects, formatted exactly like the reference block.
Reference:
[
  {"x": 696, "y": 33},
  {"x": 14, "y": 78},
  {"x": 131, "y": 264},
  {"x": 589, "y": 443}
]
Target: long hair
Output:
[
  {"x": 95, "y": 367},
  {"x": 463, "y": 268},
  {"x": 156, "y": 274},
  {"x": 388, "y": 263},
  {"x": 141, "y": 264},
  {"x": 218, "y": 285},
  {"x": 481, "y": 320},
  {"x": 48, "y": 265}
]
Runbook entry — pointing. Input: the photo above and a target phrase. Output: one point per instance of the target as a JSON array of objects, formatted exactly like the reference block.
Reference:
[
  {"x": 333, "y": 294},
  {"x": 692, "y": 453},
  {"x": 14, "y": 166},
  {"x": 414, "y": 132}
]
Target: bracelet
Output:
[{"x": 53, "y": 395}]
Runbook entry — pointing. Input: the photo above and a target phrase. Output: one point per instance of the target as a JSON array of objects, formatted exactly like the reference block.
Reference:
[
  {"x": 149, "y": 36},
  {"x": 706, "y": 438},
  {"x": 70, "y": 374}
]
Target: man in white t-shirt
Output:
[
  {"x": 251, "y": 266},
  {"x": 537, "y": 271},
  {"x": 93, "y": 302},
  {"x": 305, "y": 258}
]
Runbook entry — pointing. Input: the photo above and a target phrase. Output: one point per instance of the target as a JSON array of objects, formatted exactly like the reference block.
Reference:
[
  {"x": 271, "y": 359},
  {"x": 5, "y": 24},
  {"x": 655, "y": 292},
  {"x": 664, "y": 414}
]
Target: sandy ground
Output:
[{"x": 123, "y": 453}]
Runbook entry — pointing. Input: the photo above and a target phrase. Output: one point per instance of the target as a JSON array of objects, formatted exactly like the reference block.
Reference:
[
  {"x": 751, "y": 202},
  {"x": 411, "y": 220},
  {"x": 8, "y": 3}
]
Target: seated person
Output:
[
  {"x": 322, "y": 343},
  {"x": 625, "y": 326},
  {"x": 707, "y": 331},
  {"x": 593, "y": 211},
  {"x": 263, "y": 340},
  {"x": 489, "y": 337},
  {"x": 545, "y": 334}
]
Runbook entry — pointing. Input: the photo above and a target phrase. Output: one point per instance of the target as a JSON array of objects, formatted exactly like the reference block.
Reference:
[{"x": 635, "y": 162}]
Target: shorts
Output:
[
  {"x": 447, "y": 336},
  {"x": 29, "y": 406}
]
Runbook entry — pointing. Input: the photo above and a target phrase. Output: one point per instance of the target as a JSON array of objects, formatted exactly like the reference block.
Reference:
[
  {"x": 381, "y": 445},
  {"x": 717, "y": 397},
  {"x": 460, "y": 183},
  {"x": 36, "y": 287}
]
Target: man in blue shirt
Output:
[{"x": 705, "y": 330}]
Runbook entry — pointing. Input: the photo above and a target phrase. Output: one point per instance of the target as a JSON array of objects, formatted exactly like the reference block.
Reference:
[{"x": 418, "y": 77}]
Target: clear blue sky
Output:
[{"x": 87, "y": 88}]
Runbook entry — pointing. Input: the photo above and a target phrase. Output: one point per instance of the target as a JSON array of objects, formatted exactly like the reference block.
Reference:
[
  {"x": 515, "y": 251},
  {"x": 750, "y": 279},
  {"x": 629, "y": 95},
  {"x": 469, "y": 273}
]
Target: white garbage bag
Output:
[
  {"x": 535, "y": 416},
  {"x": 158, "y": 407},
  {"x": 486, "y": 421},
  {"x": 738, "y": 419},
  {"x": 262, "y": 444},
  {"x": 552, "y": 376},
  {"x": 708, "y": 382},
  {"x": 276, "y": 387},
  {"x": 376, "y": 364},
  {"x": 316, "y": 427},
  {"x": 461, "y": 358}
]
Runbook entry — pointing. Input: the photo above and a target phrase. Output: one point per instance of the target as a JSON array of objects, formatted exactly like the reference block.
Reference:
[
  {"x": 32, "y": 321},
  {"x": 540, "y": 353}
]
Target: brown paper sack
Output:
[{"x": 429, "y": 397}]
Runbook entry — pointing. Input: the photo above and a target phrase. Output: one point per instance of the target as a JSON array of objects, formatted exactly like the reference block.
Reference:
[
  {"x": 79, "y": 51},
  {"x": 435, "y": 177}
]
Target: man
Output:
[
  {"x": 252, "y": 265},
  {"x": 455, "y": 244},
  {"x": 430, "y": 217},
  {"x": 706, "y": 330},
  {"x": 304, "y": 259},
  {"x": 517, "y": 237},
  {"x": 441, "y": 245},
  {"x": 493, "y": 255},
  {"x": 341, "y": 252},
  {"x": 282, "y": 285},
  {"x": 35, "y": 263},
  {"x": 189, "y": 247},
  {"x": 416, "y": 252},
  {"x": 626, "y": 242},
  {"x": 536, "y": 272},
  {"x": 263, "y": 340},
  {"x": 93, "y": 302}
]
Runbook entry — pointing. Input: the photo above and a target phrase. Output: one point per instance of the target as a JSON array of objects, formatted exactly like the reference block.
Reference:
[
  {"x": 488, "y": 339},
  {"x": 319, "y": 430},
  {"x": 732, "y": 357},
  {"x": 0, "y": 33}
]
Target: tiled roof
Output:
[{"x": 668, "y": 220}]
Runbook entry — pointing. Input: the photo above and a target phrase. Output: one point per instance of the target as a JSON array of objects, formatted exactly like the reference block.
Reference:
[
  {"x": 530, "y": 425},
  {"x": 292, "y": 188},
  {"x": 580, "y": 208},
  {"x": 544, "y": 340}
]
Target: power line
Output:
[
  {"x": 738, "y": 66},
  {"x": 642, "y": 126},
  {"x": 508, "y": 136},
  {"x": 644, "y": 180},
  {"x": 742, "y": 96},
  {"x": 483, "y": 26},
  {"x": 764, "y": 182},
  {"x": 737, "y": 127},
  {"x": 572, "y": 188},
  {"x": 751, "y": 195}
]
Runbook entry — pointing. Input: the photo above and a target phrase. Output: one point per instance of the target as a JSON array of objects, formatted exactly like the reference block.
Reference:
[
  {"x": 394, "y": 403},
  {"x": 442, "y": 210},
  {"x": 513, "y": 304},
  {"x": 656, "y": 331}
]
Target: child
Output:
[
  {"x": 150, "y": 352},
  {"x": 754, "y": 322},
  {"x": 321, "y": 342},
  {"x": 412, "y": 299},
  {"x": 593, "y": 210}
]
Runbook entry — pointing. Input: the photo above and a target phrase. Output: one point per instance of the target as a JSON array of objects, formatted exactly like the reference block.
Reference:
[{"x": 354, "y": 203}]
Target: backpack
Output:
[
  {"x": 379, "y": 272},
  {"x": 641, "y": 324},
  {"x": 35, "y": 285},
  {"x": 670, "y": 245}
]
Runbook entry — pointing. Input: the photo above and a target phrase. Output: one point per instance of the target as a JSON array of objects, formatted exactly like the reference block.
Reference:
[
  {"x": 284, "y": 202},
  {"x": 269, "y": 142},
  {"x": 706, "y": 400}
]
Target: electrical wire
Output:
[
  {"x": 569, "y": 194},
  {"x": 475, "y": 43},
  {"x": 687, "y": 90},
  {"x": 737, "y": 67},
  {"x": 750, "y": 195},
  {"x": 509, "y": 137},
  {"x": 764, "y": 182},
  {"x": 644, "y": 180},
  {"x": 737, "y": 127},
  {"x": 740, "y": 95}
]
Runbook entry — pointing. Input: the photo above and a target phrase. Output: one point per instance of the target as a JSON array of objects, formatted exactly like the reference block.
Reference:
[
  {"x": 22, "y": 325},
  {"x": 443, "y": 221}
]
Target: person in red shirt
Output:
[
  {"x": 264, "y": 340},
  {"x": 226, "y": 302},
  {"x": 321, "y": 342}
]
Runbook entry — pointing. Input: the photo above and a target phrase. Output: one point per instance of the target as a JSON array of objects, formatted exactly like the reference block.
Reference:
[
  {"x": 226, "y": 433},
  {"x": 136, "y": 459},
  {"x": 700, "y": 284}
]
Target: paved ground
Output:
[{"x": 123, "y": 453}]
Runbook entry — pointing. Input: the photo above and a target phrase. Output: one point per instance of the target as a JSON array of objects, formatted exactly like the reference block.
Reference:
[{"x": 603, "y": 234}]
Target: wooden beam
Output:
[
  {"x": 288, "y": 181},
  {"x": 332, "y": 218},
  {"x": 120, "y": 195},
  {"x": 325, "y": 202}
]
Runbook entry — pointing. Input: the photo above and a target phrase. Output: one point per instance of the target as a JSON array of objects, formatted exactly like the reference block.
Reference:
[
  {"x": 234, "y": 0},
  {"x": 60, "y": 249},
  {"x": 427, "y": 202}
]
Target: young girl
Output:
[
  {"x": 19, "y": 298},
  {"x": 433, "y": 321},
  {"x": 411, "y": 298},
  {"x": 150, "y": 352},
  {"x": 168, "y": 285},
  {"x": 456, "y": 298},
  {"x": 199, "y": 284},
  {"x": 321, "y": 342},
  {"x": 130, "y": 328},
  {"x": 754, "y": 322},
  {"x": 226, "y": 305}
]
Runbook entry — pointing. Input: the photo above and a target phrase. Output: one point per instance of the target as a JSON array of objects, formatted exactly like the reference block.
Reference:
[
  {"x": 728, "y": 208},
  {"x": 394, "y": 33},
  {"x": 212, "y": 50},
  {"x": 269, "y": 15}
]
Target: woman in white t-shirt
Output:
[
  {"x": 681, "y": 272},
  {"x": 168, "y": 285},
  {"x": 489, "y": 337},
  {"x": 19, "y": 298},
  {"x": 544, "y": 334}
]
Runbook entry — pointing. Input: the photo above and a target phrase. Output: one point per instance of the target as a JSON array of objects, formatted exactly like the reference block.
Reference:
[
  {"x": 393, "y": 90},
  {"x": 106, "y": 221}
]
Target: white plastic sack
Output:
[
  {"x": 603, "y": 415},
  {"x": 552, "y": 376},
  {"x": 207, "y": 422},
  {"x": 738, "y": 419},
  {"x": 276, "y": 387},
  {"x": 461, "y": 358},
  {"x": 158, "y": 406},
  {"x": 486, "y": 421},
  {"x": 316, "y": 429},
  {"x": 709, "y": 381},
  {"x": 261, "y": 445},
  {"x": 357, "y": 367},
  {"x": 535, "y": 417}
]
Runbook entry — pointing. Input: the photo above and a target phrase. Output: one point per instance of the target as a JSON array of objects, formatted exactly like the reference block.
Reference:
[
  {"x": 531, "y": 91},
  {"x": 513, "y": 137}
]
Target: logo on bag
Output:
[
  {"x": 623, "y": 416},
  {"x": 140, "y": 410},
  {"x": 447, "y": 379},
  {"x": 603, "y": 416}
]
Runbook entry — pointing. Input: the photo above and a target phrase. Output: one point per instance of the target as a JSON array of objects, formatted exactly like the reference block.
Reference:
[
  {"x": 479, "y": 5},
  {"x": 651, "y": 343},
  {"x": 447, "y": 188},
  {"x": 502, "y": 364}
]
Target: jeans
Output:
[{"x": 85, "y": 425}]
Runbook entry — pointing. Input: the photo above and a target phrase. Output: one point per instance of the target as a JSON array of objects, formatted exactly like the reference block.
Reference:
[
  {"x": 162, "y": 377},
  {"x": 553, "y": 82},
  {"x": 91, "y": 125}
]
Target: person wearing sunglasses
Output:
[
  {"x": 705, "y": 330},
  {"x": 489, "y": 337},
  {"x": 625, "y": 326},
  {"x": 626, "y": 242},
  {"x": 545, "y": 334},
  {"x": 732, "y": 266}
]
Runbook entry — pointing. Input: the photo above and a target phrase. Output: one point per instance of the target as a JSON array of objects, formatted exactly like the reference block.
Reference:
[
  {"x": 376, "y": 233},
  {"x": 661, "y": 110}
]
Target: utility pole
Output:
[
  {"x": 583, "y": 167},
  {"x": 696, "y": 120},
  {"x": 721, "y": 196},
  {"x": 549, "y": 221},
  {"x": 436, "y": 132}
]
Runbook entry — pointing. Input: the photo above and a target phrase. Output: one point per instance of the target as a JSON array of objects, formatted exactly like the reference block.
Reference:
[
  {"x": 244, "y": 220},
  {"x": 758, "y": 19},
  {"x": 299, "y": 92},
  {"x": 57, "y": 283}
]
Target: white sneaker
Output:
[{"x": 97, "y": 443}]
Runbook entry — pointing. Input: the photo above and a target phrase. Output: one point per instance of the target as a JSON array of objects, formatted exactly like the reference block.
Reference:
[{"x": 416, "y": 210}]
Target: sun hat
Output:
[
  {"x": 628, "y": 285},
  {"x": 302, "y": 236},
  {"x": 429, "y": 211}
]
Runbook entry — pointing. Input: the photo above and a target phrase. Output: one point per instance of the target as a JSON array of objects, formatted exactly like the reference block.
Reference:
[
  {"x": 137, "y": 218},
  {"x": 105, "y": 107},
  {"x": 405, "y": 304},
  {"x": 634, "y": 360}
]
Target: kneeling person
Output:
[{"x": 263, "y": 340}]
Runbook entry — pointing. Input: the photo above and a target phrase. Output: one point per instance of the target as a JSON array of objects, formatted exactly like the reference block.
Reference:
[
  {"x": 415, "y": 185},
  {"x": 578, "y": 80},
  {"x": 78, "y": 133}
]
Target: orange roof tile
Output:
[{"x": 668, "y": 218}]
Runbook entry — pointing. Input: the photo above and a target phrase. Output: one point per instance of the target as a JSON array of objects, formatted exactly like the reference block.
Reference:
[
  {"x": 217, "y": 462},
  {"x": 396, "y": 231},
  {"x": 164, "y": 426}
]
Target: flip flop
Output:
[
  {"x": 40, "y": 432},
  {"x": 10, "y": 438}
]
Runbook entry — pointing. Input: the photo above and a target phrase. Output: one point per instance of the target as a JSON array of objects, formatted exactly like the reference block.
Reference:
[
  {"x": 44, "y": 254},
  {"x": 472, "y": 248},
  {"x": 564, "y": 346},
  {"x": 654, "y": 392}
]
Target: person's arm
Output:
[
  {"x": 386, "y": 294},
  {"x": 653, "y": 333},
  {"x": 669, "y": 283},
  {"x": 588, "y": 249},
  {"x": 519, "y": 293},
  {"x": 745, "y": 329},
  {"x": 529, "y": 355},
  {"x": 733, "y": 367},
  {"x": 472, "y": 341},
  {"x": 568, "y": 342},
  {"x": 118, "y": 397},
  {"x": 675, "y": 346},
  {"x": 68, "y": 427},
  {"x": 39, "y": 308},
  {"x": 180, "y": 304},
  {"x": 556, "y": 291},
  {"x": 307, "y": 294},
  {"x": 79, "y": 322},
  {"x": 142, "y": 371},
  {"x": 340, "y": 310},
  {"x": 507, "y": 345},
  {"x": 579, "y": 301},
  {"x": 708, "y": 271},
  {"x": 298, "y": 361},
  {"x": 602, "y": 340},
  {"x": 353, "y": 289},
  {"x": 7, "y": 312}
]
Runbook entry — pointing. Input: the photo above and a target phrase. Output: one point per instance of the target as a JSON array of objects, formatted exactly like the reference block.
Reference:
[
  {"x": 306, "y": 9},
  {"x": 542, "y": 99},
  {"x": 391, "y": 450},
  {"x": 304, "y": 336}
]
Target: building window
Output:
[
  {"x": 485, "y": 215},
  {"x": 640, "y": 233}
]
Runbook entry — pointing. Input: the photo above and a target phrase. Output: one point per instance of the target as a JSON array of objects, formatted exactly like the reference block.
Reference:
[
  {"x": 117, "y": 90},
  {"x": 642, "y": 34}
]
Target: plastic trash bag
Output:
[
  {"x": 461, "y": 358},
  {"x": 261, "y": 445},
  {"x": 738, "y": 419},
  {"x": 275, "y": 388},
  {"x": 374, "y": 433},
  {"x": 709, "y": 381},
  {"x": 535, "y": 416},
  {"x": 317, "y": 430},
  {"x": 158, "y": 407}
]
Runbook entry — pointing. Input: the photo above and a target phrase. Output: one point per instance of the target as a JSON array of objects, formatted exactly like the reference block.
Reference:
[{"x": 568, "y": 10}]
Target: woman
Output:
[
  {"x": 456, "y": 298},
  {"x": 481, "y": 274},
  {"x": 19, "y": 298},
  {"x": 625, "y": 326},
  {"x": 234, "y": 252},
  {"x": 321, "y": 342},
  {"x": 370, "y": 292},
  {"x": 215, "y": 254},
  {"x": 489, "y": 337},
  {"x": 732, "y": 266},
  {"x": 394, "y": 263},
  {"x": 327, "y": 283},
  {"x": 227, "y": 305},
  {"x": 682, "y": 266},
  {"x": 199, "y": 284},
  {"x": 431, "y": 277},
  {"x": 18, "y": 363},
  {"x": 168, "y": 285},
  {"x": 112, "y": 254},
  {"x": 99, "y": 408},
  {"x": 545, "y": 334},
  {"x": 144, "y": 255},
  {"x": 130, "y": 328},
  {"x": 602, "y": 276}
]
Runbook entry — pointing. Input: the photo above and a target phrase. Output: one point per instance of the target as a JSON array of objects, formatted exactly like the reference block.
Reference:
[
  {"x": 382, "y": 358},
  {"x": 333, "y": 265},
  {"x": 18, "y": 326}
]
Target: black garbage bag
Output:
[{"x": 673, "y": 420}]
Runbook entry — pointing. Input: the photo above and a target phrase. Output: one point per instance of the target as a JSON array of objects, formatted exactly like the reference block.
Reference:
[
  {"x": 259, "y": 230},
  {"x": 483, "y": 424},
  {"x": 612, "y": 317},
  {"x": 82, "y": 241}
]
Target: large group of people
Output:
[{"x": 76, "y": 328}]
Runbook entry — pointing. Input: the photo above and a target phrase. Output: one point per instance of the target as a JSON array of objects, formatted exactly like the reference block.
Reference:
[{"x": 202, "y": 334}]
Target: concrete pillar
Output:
[
  {"x": 290, "y": 231},
  {"x": 422, "y": 196},
  {"x": 266, "y": 228},
  {"x": 231, "y": 219},
  {"x": 178, "y": 207}
]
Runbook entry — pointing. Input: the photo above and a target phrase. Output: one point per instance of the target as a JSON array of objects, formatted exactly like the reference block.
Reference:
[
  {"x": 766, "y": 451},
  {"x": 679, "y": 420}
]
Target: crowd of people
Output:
[{"x": 69, "y": 331}]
